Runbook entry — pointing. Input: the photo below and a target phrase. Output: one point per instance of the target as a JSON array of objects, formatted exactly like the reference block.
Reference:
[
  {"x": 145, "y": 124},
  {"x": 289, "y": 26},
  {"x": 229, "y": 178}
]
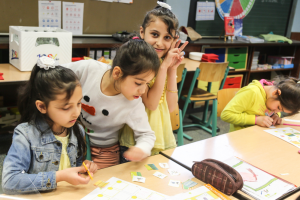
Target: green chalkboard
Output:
[{"x": 264, "y": 17}]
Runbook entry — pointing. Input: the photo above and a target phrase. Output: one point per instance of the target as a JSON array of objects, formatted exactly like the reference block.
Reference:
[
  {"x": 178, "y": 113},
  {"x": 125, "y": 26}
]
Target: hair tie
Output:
[
  {"x": 45, "y": 62},
  {"x": 164, "y": 5},
  {"x": 135, "y": 38}
]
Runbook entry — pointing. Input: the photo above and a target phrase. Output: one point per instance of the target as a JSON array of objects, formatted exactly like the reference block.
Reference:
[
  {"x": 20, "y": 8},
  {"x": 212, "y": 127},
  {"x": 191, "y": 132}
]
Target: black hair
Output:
[
  {"x": 290, "y": 93},
  {"x": 136, "y": 57},
  {"x": 44, "y": 85},
  {"x": 163, "y": 14}
]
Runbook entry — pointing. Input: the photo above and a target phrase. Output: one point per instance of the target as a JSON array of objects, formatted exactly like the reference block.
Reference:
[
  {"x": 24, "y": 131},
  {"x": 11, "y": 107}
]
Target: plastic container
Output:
[{"x": 195, "y": 55}]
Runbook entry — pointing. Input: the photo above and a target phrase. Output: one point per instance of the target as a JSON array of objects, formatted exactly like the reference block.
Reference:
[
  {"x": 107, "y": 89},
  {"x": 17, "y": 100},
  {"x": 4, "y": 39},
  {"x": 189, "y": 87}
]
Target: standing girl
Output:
[
  {"x": 111, "y": 99},
  {"x": 260, "y": 101},
  {"x": 159, "y": 29},
  {"x": 48, "y": 146}
]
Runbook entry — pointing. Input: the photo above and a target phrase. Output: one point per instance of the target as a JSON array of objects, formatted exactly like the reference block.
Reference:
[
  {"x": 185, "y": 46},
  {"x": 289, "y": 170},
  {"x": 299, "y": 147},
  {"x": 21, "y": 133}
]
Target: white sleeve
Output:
[{"x": 143, "y": 134}]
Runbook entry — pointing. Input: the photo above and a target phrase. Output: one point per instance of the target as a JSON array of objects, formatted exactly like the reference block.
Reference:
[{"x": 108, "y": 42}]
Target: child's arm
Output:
[
  {"x": 152, "y": 96},
  {"x": 143, "y": 134},
  {"x": 15, "y": 177},
  {"x": 235, "y": 111}
]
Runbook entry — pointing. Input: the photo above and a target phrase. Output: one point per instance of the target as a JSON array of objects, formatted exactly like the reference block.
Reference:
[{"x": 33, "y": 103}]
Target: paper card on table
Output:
[
  {"x": 135, "y": 174},
  {"x": 151, "y": 167},
  {"x": 174, "y": 183},
  {"x": 164, "y": 165},
  {"x": 139, "y": 179},
  {"x": 159, "y": 175},
  {"x": 173, "y": 172},
  {"x": 100, "y": 184},
  {"x": 188, "y": 184}
]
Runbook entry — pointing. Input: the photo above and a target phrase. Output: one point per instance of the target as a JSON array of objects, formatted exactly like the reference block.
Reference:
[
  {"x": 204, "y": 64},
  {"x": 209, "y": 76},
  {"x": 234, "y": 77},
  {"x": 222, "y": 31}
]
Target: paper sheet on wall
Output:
[
  {"x": 50, "y": 14},
  {"x": 205, "y": 11},
  {"x": 258, "y": 183},
  {"x": 73, "y": 17},
  {"x": 287, "y": 134},
  {"x": 120, "y": 189}
]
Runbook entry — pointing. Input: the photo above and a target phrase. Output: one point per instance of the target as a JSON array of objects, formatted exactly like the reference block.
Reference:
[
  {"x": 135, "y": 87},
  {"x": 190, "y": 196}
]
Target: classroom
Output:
[{"x": 150, "y": 99}]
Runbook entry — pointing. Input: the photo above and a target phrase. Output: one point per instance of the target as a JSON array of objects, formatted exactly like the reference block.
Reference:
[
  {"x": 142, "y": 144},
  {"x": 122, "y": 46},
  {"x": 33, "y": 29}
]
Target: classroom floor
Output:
[{"x": 196, "y": 133}]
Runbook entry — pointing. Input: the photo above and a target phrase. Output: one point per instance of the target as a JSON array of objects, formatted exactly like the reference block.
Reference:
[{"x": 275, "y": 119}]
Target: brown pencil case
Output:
[{"x": 220, "y": 175}]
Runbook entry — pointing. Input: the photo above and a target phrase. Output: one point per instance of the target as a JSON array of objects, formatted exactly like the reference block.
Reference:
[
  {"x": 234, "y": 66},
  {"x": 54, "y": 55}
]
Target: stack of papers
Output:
[
  {"x": 255, "y": 60},
  {"x": 248, "y": 38}
]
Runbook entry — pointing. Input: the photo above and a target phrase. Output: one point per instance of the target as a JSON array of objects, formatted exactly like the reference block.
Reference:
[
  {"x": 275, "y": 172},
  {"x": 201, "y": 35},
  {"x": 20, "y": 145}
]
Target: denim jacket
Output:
[{"x": 33, "y": 159}]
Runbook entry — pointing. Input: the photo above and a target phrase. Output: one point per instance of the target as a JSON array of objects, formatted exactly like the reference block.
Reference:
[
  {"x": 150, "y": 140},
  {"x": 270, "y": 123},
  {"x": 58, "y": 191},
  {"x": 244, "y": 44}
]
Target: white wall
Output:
[
  {"x": 181, "y": 9},
  {"x": 296, "y": 23}
]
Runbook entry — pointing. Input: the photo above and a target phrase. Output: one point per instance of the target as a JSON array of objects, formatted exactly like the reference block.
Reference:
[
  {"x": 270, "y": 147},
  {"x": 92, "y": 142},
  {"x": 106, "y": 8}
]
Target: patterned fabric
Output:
[
  {"x": 106, "y": 157},
  {"x": 64, "y": 158},
  {"x": 160, "y": 123}
]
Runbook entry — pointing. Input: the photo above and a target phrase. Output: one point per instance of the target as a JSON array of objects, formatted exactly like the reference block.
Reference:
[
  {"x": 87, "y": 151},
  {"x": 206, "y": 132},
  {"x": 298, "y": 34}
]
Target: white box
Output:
[{"x": 27, "y": 44}]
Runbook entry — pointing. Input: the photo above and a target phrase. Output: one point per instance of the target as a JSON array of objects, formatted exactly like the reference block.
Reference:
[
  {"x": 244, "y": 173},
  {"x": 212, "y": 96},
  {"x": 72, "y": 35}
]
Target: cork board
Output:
[{"x": 99, "y": 17}]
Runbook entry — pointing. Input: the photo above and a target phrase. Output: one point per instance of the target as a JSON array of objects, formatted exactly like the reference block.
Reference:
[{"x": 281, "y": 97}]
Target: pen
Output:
[
  {"x": 291, "y": 124},
  {"x": 87, "y": 170}
]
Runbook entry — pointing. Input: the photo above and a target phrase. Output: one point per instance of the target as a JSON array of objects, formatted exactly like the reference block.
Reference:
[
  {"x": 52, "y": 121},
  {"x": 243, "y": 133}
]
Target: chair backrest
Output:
[
  {"x": 175, "y": 119},
  {"x": 212, "y": 72},
  {"x": 224, "y": 96},
  {"x": 180, "y": 69}
]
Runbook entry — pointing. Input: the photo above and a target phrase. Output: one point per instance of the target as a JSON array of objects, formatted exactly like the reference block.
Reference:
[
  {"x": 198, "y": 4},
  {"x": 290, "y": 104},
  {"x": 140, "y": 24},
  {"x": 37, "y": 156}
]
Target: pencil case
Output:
[{"x": 218, "y": 174}]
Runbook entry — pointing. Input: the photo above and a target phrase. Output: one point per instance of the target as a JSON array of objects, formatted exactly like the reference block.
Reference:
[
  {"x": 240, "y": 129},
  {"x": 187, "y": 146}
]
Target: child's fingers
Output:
[
  {"x": 83, "y": 180},
  {"x": 183, "y": 46},
  {"x": 174, "y": 42},
  {"x": 177, "y": 43}
]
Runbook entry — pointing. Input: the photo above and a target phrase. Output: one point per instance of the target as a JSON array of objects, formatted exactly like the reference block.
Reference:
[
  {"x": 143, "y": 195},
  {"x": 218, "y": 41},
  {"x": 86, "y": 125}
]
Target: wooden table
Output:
[
  {"x": 66, "y": 191},
  {"x": 12, "y": 74},
  {"x": 253, "y": 145}
]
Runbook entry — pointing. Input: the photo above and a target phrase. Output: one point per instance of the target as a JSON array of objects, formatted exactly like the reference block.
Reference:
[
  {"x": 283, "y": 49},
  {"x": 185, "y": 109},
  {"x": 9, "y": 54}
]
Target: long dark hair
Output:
[
  {"x": 164, "y": 14},
  {"x": 136, "y": 57},
  {"x": 290, "y": 93},
  {"x": 44, "y": 85}
]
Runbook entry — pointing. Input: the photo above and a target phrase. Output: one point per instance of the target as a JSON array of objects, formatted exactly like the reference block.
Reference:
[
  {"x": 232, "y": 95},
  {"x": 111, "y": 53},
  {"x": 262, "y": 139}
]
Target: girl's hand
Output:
[
  {"x": 134, "y": 154},
  {"x": 264, "y": 121},
  {"x": 73, "y": 176},
  {"x": 92, "y": 167},
  {"x": 181, "y": 54},
  {"x": 175, "y": 54},
  {"x": 276, "y": 119}
]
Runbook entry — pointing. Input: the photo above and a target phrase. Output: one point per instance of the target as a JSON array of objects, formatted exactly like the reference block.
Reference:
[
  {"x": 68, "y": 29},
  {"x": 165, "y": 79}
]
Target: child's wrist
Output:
[{"x": 255, "y": 119}]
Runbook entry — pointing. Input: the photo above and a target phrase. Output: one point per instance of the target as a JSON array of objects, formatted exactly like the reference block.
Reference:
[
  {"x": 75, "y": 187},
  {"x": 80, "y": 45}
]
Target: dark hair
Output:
[
  {"x": 290, "y": 93},
  {"x": 136, "y": 57},
  {"x": 163, "y": 14},
  {"x": 44, "y": 85}
]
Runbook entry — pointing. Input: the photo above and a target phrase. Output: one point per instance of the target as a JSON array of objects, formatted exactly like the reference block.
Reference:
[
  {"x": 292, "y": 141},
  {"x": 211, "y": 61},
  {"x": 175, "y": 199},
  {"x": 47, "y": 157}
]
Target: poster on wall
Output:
[
  {"x": 238, "y": 9},
  {"x": 205, "y": 11},
  {"x": 73, "y": 17},
  {"x": 50, "y": 14}
]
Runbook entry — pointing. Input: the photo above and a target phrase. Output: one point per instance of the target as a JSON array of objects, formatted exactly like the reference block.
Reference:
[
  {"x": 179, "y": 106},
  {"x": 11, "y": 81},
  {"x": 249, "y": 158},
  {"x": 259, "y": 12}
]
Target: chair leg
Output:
[
  {"x": 205, "y": 111},
  {"x": 186, "y": 103},
  {"x": 214, "y": 117},
  {"x": 180, "y": 131}
]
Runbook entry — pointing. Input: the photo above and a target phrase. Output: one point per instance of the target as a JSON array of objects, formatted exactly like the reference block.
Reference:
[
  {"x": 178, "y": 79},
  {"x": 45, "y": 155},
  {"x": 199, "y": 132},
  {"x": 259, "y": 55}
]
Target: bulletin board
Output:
[
  {"x": 264, "y": 17},
  {"x": 99, "y": 17}
]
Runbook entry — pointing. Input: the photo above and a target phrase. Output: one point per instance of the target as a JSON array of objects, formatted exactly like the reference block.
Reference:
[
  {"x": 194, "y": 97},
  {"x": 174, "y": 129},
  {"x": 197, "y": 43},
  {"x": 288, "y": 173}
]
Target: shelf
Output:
[
  {"x": 270, "y": 70},
  {"x": 238, "y": 71}
]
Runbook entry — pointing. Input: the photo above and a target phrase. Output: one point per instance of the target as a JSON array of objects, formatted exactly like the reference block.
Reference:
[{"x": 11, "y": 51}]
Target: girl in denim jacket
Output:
[{"x": 48, "y": 145}]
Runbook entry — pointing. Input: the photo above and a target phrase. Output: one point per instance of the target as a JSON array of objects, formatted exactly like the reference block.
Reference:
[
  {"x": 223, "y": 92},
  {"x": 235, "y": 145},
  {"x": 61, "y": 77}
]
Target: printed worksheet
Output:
[
  {"x": 200, "y": 193},
  {"x": 73, "y": 17},
  {"x": 120, "y": 189},
  {"x": 50, "y": 14},
  {"x": 258, "y": 183},
  {"x": 205, "y": 11},
  {"x": 287, "y": 134}
]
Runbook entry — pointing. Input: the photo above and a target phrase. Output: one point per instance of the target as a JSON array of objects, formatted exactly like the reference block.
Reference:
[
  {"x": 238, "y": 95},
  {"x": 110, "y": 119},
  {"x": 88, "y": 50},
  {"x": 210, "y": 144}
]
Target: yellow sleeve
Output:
[{"x": 235, "y": 111}]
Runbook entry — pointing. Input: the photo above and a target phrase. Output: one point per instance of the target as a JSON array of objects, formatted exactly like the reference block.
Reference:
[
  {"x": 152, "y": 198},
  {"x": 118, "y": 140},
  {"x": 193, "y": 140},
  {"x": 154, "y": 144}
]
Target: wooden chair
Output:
[
  {"x": 209, "y": 72},
  {"x": 181, "y": 74},
  {"x": 224, "y": 96},
  {"x": 176, "y": 121}
]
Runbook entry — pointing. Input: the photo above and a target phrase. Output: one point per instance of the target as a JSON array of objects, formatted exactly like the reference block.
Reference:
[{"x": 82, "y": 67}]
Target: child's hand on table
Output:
[
  {"x": 92, "y": 167},
  {"x": 134, "y": 154},
  {"x": 73, "y": 175},
  {"x": 276, "y": 119},
  {"x": 264, "y": 121}
]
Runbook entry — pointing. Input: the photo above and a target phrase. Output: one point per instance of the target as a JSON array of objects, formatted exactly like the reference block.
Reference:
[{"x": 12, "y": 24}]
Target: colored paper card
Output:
[
  {"x": 164, "y": 165},
  {"x": 205, "y": 11},
  {"x": 173, "y": 172},
  {"x": 101, "y": 184},
  {"x": 174, "y": 183},
  {"x": 159, "y": 175},
  {"x": 189, "y": 184},
  {"x": 151, "y": 167},
  {"x": 139, "y": 179},
  {"x": 135, "y": 174}
]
